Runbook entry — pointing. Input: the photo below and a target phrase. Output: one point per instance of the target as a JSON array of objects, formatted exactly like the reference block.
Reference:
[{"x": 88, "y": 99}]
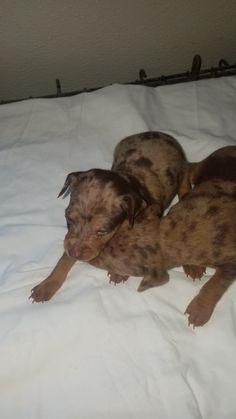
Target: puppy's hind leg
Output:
[
  {"x": 153, "y": 278},
  {"x": 202, "y": 306}
]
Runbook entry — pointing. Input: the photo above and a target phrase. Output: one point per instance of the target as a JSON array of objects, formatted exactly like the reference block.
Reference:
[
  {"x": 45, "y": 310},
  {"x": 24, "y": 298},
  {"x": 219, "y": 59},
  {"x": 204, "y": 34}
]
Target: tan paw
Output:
[
  {"x": 42, "y": 292},
  {"x": 199, "y": 312},
  {"x": 116, "y": 279},
  {"x": 194, "y": 271}
]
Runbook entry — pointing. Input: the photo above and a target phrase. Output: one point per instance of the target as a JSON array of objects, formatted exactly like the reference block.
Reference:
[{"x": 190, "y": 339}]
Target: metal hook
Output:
[
  {"x": 223, "y": 63},
  {"x": 196, "y": 67},
  {"x": 142, "y": 74},
  {"x": 58, "y": 85}
]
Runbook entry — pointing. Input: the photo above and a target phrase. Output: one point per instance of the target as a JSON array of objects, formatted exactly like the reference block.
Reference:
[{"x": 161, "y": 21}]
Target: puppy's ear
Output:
[
  {"x": 132, "y": 205},
  {"x": 70, "y": 181}
]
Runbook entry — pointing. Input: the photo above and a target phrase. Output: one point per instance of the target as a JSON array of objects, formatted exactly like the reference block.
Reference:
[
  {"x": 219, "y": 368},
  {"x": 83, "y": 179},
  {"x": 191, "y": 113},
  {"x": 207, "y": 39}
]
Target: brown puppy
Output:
[
  {"x": 147, "y": 170},
  {"x": 220, "y": 166},
  {"x": 205, "y": 222}
]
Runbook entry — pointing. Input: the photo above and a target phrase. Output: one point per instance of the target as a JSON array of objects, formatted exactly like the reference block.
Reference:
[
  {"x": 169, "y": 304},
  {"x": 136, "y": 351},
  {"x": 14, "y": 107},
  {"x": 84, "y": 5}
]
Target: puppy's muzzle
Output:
[{"x": 78, "y": 251}]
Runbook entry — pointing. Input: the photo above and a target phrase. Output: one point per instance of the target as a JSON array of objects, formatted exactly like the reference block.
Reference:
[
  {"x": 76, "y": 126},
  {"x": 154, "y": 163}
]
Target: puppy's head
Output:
[{"x": 100, "y": 201}]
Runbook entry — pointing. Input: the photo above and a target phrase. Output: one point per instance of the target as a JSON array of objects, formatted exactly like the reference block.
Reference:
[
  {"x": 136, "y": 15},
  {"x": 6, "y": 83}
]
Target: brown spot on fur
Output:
[
  {"x": 130, "y": 151},
  {"x": 216, "y": 254},
  {"x": 154, "y": 272},
  {"x": 121, "y": 248},
  {"x": 173, "y": 223},
  {"x": 143, "y": 161},
  {"x": 150, "y": 249},
  {"x": 142, "y": 251},
  {"x": 184, "y": 236},
  {"x": 222, "y": 231},
  {"x": 86, "y": 217},
  {"x": 166, "y": 234},
  {"x": 212, "y": 210},
  {"x": 149, "y": 135},
  {"x": 193, "y": 225}
]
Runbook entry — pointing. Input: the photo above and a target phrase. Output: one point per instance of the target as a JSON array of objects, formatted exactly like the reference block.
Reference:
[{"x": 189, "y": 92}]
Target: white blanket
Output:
[{"x": 96, "y": 351}]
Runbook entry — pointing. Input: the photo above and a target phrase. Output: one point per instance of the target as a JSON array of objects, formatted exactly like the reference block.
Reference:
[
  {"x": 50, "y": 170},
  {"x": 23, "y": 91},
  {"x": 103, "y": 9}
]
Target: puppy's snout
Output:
[
  {"x": 77, "y": 250},
  {"x": 73, "y": 252}
]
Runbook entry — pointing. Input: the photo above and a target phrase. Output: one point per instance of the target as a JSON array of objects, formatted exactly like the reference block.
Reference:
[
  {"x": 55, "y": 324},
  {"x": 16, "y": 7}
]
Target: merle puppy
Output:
[{"x": 106, "y": 214}]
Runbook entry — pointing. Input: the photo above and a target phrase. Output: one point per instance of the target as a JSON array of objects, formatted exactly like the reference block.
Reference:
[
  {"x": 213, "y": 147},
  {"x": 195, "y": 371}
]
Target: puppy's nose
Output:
[
  {"x": 72, "y": 248},
  {"x": 73, "y": 252},
  {"x": 77, "y": 250}
]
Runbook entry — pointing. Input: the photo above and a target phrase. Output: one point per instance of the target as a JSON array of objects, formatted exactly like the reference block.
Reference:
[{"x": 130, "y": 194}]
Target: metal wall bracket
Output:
[{"x": 196, "y": 73}]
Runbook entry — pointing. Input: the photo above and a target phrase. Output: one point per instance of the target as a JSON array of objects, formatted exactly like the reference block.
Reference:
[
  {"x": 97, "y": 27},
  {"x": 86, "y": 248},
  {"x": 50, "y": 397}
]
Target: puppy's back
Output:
[{"x": 154, "y": 158}]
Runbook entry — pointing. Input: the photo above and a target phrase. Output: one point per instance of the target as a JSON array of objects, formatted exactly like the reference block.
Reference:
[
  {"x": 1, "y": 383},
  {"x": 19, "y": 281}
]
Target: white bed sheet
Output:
[{"x": 95, "y": 350}]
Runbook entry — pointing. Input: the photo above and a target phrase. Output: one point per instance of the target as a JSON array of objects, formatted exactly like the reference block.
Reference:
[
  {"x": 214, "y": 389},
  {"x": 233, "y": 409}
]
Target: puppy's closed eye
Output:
[{"x": 101, "y": 232}]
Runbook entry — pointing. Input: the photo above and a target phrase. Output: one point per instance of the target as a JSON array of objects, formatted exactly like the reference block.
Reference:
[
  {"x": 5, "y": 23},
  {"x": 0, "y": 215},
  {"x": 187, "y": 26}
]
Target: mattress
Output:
[{"x": 96, "y": 351}]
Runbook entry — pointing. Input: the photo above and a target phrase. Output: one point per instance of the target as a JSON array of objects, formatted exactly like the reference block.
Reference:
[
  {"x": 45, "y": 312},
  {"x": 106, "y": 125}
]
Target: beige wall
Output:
[{"x": 88, "y": 43}]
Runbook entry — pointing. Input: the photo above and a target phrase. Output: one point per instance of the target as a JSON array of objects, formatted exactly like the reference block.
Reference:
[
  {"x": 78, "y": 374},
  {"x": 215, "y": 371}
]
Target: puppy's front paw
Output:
[
  {"x": 199, "y": 311},
  {"x": 195, "y": 272},
  {"x": 116, "y": 279},
  {"x": 42, "y": 292}
]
